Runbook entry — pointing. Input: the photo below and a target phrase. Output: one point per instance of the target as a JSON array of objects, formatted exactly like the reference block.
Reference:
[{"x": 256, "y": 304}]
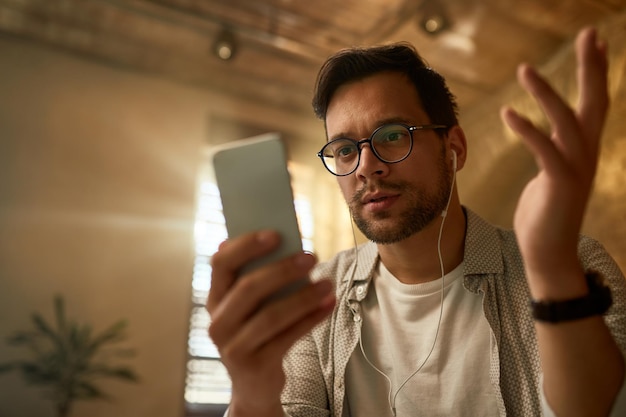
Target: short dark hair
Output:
[{"x": 354, "y": 64}]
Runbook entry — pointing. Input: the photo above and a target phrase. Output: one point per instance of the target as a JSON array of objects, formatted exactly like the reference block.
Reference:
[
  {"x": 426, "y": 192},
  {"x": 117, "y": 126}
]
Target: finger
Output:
[
  {"x": 281, "y": 323},
  {"x": 249, "y": 292},
  {"x": 230, "y": 258},
  {"x": 561, "y": 117},
  {"x": 284, "y": 341},
  {"x": 592, "y": 77},
  {"x": 543, "y": 149},
  {"x": 278, "y": 346}
]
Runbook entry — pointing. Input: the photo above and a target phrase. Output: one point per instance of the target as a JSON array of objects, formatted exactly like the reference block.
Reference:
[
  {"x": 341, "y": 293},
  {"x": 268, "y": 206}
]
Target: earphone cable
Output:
[
  {"x": 392, "y": 399},
  {"x": 444, "y": 215}
]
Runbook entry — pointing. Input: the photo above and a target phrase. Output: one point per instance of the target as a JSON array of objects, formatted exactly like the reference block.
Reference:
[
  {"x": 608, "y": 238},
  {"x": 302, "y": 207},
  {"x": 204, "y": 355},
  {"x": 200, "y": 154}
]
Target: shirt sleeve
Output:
[{"x": 305, "y": 390}]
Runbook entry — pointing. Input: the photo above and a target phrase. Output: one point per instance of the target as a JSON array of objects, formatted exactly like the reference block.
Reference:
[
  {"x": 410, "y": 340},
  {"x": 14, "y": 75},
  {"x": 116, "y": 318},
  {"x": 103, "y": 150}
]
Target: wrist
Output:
[
  {"x": 561, "y": 279},
  {"x": 244, "y": 409},
  {"x": 558, "y": 287}
]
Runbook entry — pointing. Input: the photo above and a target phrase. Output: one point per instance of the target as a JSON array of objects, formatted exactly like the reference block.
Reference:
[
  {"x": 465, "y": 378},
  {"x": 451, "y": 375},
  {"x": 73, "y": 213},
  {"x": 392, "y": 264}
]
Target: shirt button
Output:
[
  {"x": 360, "y": 289},
  {"x": 357, "y": 317}
]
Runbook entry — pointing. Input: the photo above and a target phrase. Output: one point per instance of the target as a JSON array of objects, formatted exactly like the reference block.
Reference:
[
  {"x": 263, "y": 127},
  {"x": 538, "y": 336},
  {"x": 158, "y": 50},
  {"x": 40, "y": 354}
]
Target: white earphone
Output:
[{"x": 454, "y": 160}]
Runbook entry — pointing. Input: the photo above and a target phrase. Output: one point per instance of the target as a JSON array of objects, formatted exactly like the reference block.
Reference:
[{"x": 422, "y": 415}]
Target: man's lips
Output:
[
  {"x": 370, "y": 198},
  {"x": 379, "y": 201},
  {"x": 378, "y": 197}
]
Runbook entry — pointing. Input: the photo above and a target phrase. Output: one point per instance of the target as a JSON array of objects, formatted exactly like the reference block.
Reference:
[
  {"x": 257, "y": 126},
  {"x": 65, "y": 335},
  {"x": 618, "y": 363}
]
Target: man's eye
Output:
[
  {"x": 392, "y": 136},
  {"x": 344, "y": 151}
]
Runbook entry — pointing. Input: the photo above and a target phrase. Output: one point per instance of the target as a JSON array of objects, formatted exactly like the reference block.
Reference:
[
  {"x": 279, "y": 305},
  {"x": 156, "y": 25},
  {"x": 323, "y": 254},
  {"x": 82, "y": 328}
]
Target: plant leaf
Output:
[
  {"x": 22, "y": 338},
  {"x": 62, "y": 358},
  {"x": 30, "y": 340},
  {"x": 85, "y": 390},
  {"x": 38, "y": 373},
  {"x": 45, "y": 329},
  {"x": 7, "y": 367},
  {"x": 121, "y": 372},
  {"x": 125, "y": 373},
  {"x": 79, "y": 338},
  {"x": 115, "y": 333},
  {"x": 59, "y": 312}
]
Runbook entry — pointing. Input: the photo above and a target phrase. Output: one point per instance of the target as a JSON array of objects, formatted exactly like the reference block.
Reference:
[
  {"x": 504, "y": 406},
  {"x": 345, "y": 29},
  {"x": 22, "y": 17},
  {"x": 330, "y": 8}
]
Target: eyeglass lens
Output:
[{"x": 390, "y": 143}]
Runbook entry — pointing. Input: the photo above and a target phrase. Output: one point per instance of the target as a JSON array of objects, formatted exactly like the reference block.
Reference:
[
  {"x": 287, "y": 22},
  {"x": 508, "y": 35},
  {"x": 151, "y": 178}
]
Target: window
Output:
[{"x": 207, "y": 380}]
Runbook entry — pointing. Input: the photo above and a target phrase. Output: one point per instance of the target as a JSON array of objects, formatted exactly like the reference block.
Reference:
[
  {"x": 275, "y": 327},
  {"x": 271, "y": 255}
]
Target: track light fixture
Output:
[
  {"x": 433, "y": 17},
  {"x": 225, "y": 46}
]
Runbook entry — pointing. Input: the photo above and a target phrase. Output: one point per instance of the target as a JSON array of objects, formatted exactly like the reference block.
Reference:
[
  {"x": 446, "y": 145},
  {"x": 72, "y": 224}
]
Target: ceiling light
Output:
[
  {"x": 433, "y": 24},
  {"x": 433, "y": 17},
  {"x": 225, "y": 46}
]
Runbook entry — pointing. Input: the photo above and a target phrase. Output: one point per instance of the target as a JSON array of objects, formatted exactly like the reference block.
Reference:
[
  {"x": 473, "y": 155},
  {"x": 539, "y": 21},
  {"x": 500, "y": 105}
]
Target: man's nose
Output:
[{"x": 369, "y": 163}]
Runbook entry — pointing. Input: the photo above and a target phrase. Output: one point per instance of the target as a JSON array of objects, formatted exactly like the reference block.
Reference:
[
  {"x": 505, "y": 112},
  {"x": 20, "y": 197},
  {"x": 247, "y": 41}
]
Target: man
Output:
[{"x": 433, "y": 317}]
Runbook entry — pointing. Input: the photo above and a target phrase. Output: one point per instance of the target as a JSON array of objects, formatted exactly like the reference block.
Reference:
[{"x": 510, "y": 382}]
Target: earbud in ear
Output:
[{"x": 454, "y": 160}]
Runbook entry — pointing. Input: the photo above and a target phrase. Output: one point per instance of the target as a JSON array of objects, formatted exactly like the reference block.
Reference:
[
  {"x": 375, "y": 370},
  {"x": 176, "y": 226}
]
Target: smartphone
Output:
[{"x": 255, "y": 189}]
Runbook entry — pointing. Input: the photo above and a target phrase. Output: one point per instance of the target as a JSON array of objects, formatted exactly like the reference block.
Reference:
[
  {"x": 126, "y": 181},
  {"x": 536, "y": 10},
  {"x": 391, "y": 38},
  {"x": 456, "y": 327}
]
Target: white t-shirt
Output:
[{"x": 399, "y": 326}]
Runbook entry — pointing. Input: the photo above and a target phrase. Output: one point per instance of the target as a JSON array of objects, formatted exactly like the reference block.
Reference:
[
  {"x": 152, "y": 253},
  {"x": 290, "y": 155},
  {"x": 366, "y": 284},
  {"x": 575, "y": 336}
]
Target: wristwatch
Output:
[{"x": 595, "y": 303}]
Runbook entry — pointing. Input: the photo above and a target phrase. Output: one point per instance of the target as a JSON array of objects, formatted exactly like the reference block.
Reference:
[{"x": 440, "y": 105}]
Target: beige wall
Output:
[
  {"x": 97, "y": 188},
  {"x": 99, "y": 168}
]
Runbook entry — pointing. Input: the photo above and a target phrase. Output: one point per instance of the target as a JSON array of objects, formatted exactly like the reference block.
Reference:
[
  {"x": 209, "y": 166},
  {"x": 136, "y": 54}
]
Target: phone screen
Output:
[{"x": 255, "y": 189}]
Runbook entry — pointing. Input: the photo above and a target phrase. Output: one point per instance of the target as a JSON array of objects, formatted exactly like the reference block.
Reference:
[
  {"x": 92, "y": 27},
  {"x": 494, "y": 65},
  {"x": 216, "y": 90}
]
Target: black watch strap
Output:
[{"x": 595, "y": 303}]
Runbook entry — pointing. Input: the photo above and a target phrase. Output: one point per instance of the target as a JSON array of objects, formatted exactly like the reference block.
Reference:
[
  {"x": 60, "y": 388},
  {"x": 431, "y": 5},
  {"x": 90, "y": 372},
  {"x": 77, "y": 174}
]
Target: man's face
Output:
[{"x": 389, "y": 202}]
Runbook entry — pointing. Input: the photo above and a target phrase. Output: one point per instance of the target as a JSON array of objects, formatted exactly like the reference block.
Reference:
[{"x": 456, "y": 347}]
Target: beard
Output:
[{"x": 423, "y": 208}]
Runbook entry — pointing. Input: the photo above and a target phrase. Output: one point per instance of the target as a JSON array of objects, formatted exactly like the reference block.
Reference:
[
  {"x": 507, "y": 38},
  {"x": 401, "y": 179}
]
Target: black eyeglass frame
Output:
[{"x": 359, "y": 144}]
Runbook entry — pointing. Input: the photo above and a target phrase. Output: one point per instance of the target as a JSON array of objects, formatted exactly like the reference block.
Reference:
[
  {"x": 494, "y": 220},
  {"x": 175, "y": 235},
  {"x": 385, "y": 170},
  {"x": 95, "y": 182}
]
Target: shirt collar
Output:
[{"x": 483, "y": 255}]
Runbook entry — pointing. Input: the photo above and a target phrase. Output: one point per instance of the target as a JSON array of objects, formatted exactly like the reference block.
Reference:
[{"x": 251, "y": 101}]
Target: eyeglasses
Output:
[{"x": 390, "y": 143}]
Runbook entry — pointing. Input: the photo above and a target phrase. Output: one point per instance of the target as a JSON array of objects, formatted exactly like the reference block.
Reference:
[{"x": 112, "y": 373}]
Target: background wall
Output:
[{"x": 97, "y": 185}]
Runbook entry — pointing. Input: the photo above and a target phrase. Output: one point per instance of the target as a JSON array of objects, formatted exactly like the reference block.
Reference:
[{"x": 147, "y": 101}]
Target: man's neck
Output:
[{"x": 416, "y": 259}]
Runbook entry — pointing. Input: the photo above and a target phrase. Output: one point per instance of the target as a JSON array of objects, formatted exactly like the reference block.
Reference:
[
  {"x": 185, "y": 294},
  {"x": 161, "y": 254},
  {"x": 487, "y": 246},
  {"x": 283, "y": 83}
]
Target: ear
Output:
[{"x": 456, "y": 142}]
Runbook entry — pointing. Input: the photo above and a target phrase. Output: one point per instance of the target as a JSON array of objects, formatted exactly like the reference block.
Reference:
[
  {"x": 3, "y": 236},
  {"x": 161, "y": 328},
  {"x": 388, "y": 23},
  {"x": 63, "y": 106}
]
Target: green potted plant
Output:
[{"x": 68, "y": 358}]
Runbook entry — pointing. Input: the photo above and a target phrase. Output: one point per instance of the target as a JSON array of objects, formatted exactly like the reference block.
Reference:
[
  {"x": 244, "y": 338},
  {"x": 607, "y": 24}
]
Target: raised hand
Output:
[
  {"x": 551, "y": 208},
  {"x": 252, "y": 336},
  {"x": 582, "y": 366}
]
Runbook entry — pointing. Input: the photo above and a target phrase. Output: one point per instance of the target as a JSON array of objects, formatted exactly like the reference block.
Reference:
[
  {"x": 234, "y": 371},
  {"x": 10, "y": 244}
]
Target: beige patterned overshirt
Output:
[{"x": 316, "y": 364}]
